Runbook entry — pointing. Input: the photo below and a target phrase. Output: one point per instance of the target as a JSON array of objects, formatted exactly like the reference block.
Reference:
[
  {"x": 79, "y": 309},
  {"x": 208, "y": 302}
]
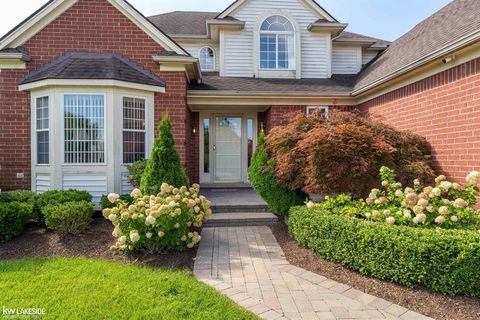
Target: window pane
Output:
[
  {"x": 42, "y": 129},
  {"x": 43, "y": 145},
  {"x": 134, "y": 129},
  {"x": 84, "y": 126},
  {"x": 206, "y": 145},
  {"x": 207, "y": 59},
  {"x": 250, "y": 140}
]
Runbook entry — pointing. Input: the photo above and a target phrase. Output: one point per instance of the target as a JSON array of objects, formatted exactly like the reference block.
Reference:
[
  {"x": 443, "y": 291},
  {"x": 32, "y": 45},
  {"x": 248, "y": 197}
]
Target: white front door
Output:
[{"x": 228, "y": 149}]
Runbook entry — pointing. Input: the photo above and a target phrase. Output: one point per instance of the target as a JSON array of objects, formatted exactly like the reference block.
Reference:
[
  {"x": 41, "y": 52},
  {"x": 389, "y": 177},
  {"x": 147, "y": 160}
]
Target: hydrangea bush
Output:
[
  {"x": 445, "y": 205},
  {"x": 155, "y": 223}
]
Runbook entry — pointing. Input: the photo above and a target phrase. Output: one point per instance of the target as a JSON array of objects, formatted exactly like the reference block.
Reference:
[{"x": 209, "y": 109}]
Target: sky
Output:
[{"x": 384, "y": 19}]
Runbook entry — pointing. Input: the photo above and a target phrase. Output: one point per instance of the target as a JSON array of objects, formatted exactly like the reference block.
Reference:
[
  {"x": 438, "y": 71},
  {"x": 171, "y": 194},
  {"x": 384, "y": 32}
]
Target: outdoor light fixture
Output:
[
  {"x": 194, "y": 129},
  {"x": 448, "y": 59}
]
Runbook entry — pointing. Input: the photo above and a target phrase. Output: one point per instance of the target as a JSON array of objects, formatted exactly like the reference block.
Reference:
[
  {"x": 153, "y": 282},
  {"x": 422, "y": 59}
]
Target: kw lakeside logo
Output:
[{"x": 13, "y": 313}]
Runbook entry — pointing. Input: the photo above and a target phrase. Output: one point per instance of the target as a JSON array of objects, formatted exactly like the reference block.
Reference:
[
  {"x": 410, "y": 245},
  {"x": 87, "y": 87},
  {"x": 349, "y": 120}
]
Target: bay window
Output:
[
  {"x": 134, "y": 129},
  {"x": 84, "y": 129}
]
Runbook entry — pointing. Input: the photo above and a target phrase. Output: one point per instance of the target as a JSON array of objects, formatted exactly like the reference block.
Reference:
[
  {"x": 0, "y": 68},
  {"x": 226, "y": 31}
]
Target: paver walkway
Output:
[{"x": 248, "y": 265}]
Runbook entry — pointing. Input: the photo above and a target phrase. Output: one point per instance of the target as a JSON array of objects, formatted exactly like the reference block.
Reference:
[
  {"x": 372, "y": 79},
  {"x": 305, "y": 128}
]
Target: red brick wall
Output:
[
  {"x": 89, "y": 25},
  {"x": 445, "y": 109},
  {"x": 278, "y": 115}
]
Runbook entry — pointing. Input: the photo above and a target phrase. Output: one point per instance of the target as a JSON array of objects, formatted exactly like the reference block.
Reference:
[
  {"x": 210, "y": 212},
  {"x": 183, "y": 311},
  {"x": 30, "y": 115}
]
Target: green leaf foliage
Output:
[
  {"x": 13, "y": 218},
  {"x": 136, "y": 171},
  {"x": 444, "y": 260},
  {"x": 70, "y": 217},
  {"x": 260, "y": 175},
  {"x": 24, "y": 196},
  {"x": 106, "y": 204},
  {"x": 164, "y": 165}
]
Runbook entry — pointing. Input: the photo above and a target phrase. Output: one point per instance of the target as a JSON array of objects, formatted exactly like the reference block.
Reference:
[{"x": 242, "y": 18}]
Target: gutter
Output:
[
  {"x": 460, "y": 43},
  {"x": 225, "y": 93}
]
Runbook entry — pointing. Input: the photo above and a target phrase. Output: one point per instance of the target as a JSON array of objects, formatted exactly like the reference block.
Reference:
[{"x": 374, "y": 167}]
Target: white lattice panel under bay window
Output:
[
  {"x": 96, "y": 185},
  {"x": 43, "y": 183}
]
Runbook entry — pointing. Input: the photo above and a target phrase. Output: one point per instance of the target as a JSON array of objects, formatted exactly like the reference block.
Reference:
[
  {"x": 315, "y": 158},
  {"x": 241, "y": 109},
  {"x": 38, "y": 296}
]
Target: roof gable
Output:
[
  {"x": 454, "y": 26},
  {"x": 312, "y": 4},
  {"x": 54, "y": 8}
]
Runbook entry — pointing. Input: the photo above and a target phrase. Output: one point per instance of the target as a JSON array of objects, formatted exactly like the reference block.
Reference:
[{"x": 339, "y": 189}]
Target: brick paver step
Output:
[{"x": 232, "y": 219}]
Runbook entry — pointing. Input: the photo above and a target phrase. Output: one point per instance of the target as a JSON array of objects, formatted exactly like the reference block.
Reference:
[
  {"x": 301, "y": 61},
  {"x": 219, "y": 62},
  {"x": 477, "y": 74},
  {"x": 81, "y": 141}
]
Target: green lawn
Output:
[{"x": 99, "y": 289}]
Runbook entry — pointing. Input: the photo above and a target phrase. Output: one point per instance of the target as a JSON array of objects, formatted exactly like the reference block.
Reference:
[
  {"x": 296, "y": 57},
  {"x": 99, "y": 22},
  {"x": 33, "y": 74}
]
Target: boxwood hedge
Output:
[{"x": 446, "y": 261}]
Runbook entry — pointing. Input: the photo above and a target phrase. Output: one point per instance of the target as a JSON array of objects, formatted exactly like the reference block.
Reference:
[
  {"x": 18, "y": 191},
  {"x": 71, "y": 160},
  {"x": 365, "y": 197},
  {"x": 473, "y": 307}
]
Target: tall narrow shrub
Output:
[
  {"x": 260, "y": 174},
  {"x": 164, "y": 165}
]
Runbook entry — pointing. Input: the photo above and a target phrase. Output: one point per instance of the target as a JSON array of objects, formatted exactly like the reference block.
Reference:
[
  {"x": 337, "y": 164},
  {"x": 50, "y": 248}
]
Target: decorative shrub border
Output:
[{"x": 446, "y": 261}]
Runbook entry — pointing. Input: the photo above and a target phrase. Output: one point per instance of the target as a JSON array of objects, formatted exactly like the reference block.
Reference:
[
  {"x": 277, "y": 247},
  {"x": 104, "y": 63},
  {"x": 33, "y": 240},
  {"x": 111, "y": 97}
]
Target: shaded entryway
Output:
[{"x": 237, "y": 206}]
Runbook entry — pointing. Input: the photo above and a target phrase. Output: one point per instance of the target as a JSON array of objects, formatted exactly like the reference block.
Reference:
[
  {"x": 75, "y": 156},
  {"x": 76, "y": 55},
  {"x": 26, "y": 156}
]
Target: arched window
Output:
[
  {"x": 207, "y": 59},
  {"x": 277, "y": 43}
]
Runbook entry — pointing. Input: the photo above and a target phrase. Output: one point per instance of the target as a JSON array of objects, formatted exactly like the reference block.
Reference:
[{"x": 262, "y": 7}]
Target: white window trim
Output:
[
  {"x": 43, "y": 130},
  {"x": 312, "y": 109},
  {"x": 277, "y": 33},
  {"x": 105, "y": 149},
  {"x": 214, "y": 58},
  {"x": 146, "y": 130}
]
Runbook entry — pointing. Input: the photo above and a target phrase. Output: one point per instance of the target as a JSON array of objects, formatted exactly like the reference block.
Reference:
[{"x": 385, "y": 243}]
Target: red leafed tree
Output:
[{"x": 343, "y": 152}]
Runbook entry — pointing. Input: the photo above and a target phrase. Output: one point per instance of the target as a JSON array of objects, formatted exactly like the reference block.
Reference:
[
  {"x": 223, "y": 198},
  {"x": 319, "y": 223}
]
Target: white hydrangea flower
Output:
[
  {"x": 454, "y": 218},
  {"x": 407, "y": 214},
  {"x": 113, "y": 197},
  {"x": 161, "y": 234},
  {"x": 150, "y": 220},
  {"x": 443, "y": 210},
  {"x": 310, "y": 205},
  {"x": 149, "y": 235},
  {"x": 421, "y": 217},
  {"x": 384, "y": 183},
  {"x": 440, "y": 219},
  {"x": 135, "y": 236},
  {"x": 437, "y": 192},
  {"x": 460, "y": 203},
  {"x": 136, "y": 193},
  {"x": 416, "y": 182},
  {"x": 368, "y": 215},
  {"x": 445, "y": 185},
  {"x": 473, "y": 178},
  {"x": 398, "y": 193},
  {"x": 112, "y": 217},
  {"x": 390, "y": 220},
  {"x": 122, "y": 239},
  {"x": 423, "y": 203},
  {"x": 440, "y": 178}
]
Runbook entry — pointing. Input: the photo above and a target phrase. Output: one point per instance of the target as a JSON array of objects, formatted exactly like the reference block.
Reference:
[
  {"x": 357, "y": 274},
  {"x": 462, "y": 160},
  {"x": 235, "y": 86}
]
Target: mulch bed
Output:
[
  {"x": 94, "y": 243},
  {"x": 421, "y": 300}
]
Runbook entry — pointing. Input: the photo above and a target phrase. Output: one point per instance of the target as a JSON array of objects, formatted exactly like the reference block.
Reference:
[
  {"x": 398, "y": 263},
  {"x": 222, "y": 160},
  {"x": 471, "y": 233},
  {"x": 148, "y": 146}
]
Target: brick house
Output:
[{"x": 83, "y": 84}]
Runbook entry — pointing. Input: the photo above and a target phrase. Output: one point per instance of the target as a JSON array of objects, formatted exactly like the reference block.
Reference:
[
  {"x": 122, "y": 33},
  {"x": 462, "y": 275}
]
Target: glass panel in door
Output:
[{"x": 228, "y": 149}]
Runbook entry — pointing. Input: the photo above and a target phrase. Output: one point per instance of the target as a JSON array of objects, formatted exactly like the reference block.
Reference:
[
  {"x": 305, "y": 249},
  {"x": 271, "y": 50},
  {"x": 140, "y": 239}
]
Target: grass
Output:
[{"x": 100, "y": 289}]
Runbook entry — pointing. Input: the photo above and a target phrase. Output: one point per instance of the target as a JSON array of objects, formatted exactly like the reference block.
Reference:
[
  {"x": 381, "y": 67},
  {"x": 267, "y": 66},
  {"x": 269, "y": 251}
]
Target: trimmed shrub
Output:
[
  {"x": 444, "y": 260},
  {"x": 105, "y": 203},
  {"x": 23, "y": 196},
  {"x": 343, "y": 152},
  {"x": 69, "y": 217},
  {"x": 62, "y": 196},
  {"x": 13, "y": 218},
  {"x": 164, "y": 165},
  {"x": 162, "y": 222},
  {"x": 136, "y": 171},
  {"x": 260, "y": 175}
]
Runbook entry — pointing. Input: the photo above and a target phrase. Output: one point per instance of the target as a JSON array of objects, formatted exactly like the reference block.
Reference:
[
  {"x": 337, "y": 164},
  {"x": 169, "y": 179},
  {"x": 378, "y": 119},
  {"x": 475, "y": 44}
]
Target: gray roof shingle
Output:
[
  {"x": 350, "y": 36},
  {"x": 454, "y": 21},
  {"x": 183, "y": 22},
  {"x": 93, "y": 65},
  {"x": 337, "y": 85}
]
